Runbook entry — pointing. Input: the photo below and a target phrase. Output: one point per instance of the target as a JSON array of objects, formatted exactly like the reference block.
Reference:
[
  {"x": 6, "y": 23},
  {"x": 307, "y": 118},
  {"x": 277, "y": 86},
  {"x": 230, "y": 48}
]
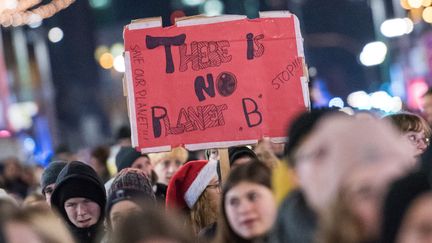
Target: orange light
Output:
[
  {"x": 106, "y": 60},
  {"x": 427, "y": 15}
]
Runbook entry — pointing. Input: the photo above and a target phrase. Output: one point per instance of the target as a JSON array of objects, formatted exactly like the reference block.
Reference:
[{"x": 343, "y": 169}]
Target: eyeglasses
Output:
[
  {"x": 216, "y": 187},
  {"x": 416, "y": 140}
]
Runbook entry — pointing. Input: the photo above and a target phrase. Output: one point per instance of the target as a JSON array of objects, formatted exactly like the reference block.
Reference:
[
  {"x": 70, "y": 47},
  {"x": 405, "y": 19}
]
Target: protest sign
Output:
[{"x": 213, "y": 82}]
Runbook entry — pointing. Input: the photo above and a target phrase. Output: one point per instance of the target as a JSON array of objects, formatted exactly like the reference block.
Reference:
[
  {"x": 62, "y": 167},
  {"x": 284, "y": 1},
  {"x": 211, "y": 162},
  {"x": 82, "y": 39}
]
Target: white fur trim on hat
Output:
[{"x": 200, "y": 183}]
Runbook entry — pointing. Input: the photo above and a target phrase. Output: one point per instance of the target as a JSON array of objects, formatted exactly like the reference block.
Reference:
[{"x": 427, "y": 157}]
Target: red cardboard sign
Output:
[{"x": 205, "y": 83}]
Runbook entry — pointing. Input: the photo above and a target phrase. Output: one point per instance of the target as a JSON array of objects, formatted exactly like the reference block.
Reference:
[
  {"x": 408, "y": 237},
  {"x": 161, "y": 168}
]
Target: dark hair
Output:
[
  {"x": 254, "y": 172},
  {"x": 101, "y": 153},
  {"x": 151, "y": 224},
  {"x": 409, "y": 122},
  {"x": 428, "y": 92}
]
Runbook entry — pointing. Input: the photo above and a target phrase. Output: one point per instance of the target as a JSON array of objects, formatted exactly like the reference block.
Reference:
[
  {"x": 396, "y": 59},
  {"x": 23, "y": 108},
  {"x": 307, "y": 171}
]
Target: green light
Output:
[{"x": 99, "y": 4}]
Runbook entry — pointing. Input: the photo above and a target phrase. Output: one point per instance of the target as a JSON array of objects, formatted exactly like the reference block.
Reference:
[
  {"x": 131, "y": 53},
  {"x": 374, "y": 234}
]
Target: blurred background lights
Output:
[
  {"x": 100, "y": 50},
  {"x": 213, "y": 7},
  {"x": 20, "y": 115},
  {"x": 117, "y": 49},
  {"x": 396, "y": 27},
  {"x": 380, "y": 100},
  {"x": 359, "y": 100},
  {"x": 336, "y": 102},
  {"x": 415, "y": 3},
  {"x": 8, "y": 4},
  {"x": 312, "y": 72},
  {"x": 373, "y": 53},
  {"x": 119, "y": 64},
  {"x": 55, "y": 34},
  {"x": 426, "y": 3},
  {"x": 106, "y": 61},
  {"x": 5, "y": 134},
  {"x": 99, "y": 4},
  {"x": 35, "y": 20},
  {"x": 193, "y": 2},
  {"x": 29, "y": 144},
  {"x": 404, "y": 4},
  {"x": 427, "y": 15}
]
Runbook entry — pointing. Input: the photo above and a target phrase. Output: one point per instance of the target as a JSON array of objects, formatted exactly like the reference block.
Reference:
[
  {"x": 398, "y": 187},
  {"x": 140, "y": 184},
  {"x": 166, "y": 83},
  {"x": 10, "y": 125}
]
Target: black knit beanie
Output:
[
  {"x": 49, "y": 175},
  {"x": 125, "y": 157},
  {"x": 235, "y": 153},
  {"x": 399, "y": 198},
  {"x": 78, "y": 179}
]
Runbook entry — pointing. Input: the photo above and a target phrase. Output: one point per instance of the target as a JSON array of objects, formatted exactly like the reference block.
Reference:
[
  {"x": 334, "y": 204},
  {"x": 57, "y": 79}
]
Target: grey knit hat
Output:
[{"x": 49, "y": 175}]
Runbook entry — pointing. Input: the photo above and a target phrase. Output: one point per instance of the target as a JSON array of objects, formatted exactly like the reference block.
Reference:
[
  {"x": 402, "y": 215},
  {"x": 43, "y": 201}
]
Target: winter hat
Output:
[
  {"x": 189, "y": 182},
  {"x": 235, "y": 153},
  {"x": 49, "y": 175},
  {"x": 125, "y": 157},
  {"x": 130, "y": 184},
  {"x": 398, "y": 201},
  {"x": 78, "y": 179}
]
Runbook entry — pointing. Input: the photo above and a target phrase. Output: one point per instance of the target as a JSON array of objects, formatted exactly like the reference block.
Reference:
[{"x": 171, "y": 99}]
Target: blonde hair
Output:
[
  {"x": 203, "y": 213},
  {"x": 177, "y": 153},
  {"x": 44, "y": 223}
]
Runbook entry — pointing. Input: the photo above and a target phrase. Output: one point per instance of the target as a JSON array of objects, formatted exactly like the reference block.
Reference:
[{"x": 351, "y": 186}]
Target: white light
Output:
[
  {"x": 192, "y": 2},
  {"x": 213, "y": 7},
  {"x": 373, "y": 53},
  {"x": 397, "y": 104},
  {"x": 397, "y": 27},
  {"x": 20, "y": 115},
  {"x": 34, "y": 21},
  {"x": 55, "y": 34},
  {"x": 313, "y": 71},
  {"x": 415, "y": 3},
  {"x": 29, "y": 144},
  {"x": 119, "y": 64},
  {"x": 381, "y": 100},
  {"x": 359, "y": 100},
  {"x": 336, "y": 102}
]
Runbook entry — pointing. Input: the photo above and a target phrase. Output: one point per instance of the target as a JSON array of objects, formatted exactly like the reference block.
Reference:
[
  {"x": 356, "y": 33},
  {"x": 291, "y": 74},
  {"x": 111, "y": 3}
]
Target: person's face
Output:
[
  {"x": 364, "y": 189},
  {"x": 416, "y": 226},
  {"x": 48, "y": 192},
  {"x": 427, "y": 108},
  {"x": 82, "y": 212},
  {"x": 418, "y": 140},
  {"x": 20, "y": 233},
  {"x": 143, "y": 163},
  {"x": 213, "y": 190},
  {"x": 250, "y": 209},
  {"x": 120, "y": 210},
  {"x": 166, "y": 169}
]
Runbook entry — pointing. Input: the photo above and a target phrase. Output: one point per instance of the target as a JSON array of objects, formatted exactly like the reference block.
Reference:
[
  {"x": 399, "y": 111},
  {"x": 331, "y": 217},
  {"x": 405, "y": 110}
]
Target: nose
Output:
[
  {"x": 81, "y": 210},
  {"x": 245, "y": 207}
]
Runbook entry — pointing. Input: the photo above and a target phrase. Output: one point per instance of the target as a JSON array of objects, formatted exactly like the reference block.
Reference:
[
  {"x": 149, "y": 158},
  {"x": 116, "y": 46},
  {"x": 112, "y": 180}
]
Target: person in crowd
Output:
[
  {"x": 407, "y": 210},
  {"x": 150, "y": 226},
  {"x": 130, "y": 192},
  {"x": 355, "y": 214},
  {"x": 79, "y": 196},
  {"x": 427, "y": 106},
  {"x": 239, "y": 155},
  {"x": 98, "y": 160},
  {"x": 35, "y": 199},
  {"x": 128, "y": 157},
  {"x": 195, "y": 190},
  {"x": 35, "y": 225},
  {"x": 414, "y": 128},
  {"x": 49, "y": 177},
  {"x": 248, "y": 205},
  {"x": 167, "y": 163},
  {"x": 12, "y": 175},
  {"x": 333, "y": 145}
]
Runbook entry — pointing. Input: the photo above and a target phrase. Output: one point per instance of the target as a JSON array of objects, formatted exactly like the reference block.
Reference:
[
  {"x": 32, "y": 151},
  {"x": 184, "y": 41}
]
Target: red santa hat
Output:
[{"x": 189, "y": 182}]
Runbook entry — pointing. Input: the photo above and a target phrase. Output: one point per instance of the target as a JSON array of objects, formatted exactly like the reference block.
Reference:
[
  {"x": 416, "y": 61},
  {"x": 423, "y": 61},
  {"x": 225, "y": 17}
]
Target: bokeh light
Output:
[
  {"x": 106, "y": 61},
  {"x": 55, "y": 34}
]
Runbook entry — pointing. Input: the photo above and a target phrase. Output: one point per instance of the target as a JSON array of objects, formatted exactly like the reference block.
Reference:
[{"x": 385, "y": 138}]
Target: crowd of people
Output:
[{"x": 350, "y": 178}]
